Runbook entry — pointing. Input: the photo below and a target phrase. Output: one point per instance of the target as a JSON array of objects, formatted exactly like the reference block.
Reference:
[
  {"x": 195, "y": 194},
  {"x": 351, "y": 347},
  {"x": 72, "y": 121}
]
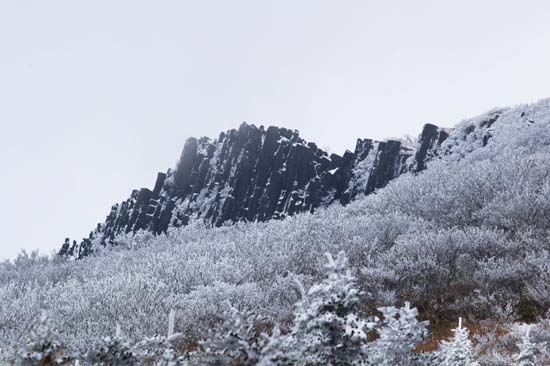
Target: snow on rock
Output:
[{"x": 256, "y": 174}]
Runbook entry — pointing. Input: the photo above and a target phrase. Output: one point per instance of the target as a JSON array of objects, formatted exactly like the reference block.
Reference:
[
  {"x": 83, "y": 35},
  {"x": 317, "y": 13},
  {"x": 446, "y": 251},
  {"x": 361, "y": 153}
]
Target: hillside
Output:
[
  {"x": 463, "y": 231},
  {"x": 254, "y": 174}
]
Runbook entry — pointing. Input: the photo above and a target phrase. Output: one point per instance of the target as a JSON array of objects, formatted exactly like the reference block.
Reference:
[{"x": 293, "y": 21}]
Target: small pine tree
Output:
[
  {"x": 527, "y": 352},
  {"x": 42, "y": 347},
  {"x": 327, "y": 329},
  {"x": 274, "y": 349},
  {"x": 239, "y": 344},
  {"x": 459, "y": 350},
  {"x": 399, "y": 334},
  {"x": 115, "y": 351}
]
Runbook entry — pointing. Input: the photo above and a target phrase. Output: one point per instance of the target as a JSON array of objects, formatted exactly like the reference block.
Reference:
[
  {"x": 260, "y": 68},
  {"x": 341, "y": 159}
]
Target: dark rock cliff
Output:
[{"x": 257, "y": 174}]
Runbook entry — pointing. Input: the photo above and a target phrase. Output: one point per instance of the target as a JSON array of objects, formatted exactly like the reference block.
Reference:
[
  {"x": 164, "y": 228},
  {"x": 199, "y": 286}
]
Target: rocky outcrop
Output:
[
  {"x": 257, "y": 174},
  {"x": 430, "y": 140}
]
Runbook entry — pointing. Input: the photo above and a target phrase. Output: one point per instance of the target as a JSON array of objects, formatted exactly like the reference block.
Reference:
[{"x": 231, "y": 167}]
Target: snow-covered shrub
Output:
[
  {"x": 492, "y": 348},
  {"x": 399, "y": 333},
  {"x": 540, "y": 335},
  {"x": 239, "y": 343},
  {"x": 134, "y": 241},
  {"x": 527, "y": 352},
  {"x": 158, "y": 351},
  {"x": 112, "y": 351},
  {"x": 42, "y": 347}
]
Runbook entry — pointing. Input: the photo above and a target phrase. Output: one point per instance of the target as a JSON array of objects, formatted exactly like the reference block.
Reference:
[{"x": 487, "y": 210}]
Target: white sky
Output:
[{"x": 97, "y": 96}]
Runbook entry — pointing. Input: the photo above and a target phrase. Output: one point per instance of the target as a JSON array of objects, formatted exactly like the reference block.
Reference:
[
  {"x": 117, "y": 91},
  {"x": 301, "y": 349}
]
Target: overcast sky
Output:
[{"x": 97, "y": 96}]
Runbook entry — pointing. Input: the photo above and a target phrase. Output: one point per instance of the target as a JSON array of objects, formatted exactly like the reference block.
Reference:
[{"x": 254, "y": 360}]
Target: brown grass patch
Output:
[{"x": 443, "y": 331}]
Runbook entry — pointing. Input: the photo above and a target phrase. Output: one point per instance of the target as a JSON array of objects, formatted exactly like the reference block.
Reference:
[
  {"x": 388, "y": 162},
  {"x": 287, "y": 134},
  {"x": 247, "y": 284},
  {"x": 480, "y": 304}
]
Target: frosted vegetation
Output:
[{"x": 468, "y": 237}]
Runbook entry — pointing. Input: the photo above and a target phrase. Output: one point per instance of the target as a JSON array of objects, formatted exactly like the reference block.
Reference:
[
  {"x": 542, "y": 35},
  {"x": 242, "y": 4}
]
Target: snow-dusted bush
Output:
[
  {"x": 42, "y": 346},
  {"x": 116, "y": 351},
  {"x": 527, "y": 352},
  {"x": 399, "y": 334},
  {"x": 238, "y": 342},
  {"x": 158, "y": 351}
]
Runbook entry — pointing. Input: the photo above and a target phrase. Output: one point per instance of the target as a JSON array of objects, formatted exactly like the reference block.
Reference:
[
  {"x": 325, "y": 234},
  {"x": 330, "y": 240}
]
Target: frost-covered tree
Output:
[
  {"x": 327, "y": 328},
  {"x": 275, "y": 349},
  {"x": 527, "y": 352},
  {"x": 112, "y": 351},
  {"x": 42, "y": 347},
  {"x": 459, "y": 350},
  {"x": 238, "y": 343},
  {"x": 399, "y": 333},
  {"x": 158, "y": 351}
]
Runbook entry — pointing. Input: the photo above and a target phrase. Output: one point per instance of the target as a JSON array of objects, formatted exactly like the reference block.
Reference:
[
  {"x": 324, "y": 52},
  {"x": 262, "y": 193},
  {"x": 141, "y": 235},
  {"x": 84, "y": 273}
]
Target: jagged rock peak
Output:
[{"x": 257, "y": 174}]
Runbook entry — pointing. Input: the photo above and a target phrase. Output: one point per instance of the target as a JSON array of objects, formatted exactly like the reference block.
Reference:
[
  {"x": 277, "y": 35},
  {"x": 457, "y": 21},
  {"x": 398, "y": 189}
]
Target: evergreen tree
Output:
[
  {"x": 459, "y": 350},
  {"x": 275, "y": 349},
  {"x": 42, "y": 347},
  {"x": 527, "y": 352},
  {"x": 327, "y": 330},
  {"x": 238, "y": 344},
  {"x": 115, "y": 351},
  {"x": 399, "y": 334}
]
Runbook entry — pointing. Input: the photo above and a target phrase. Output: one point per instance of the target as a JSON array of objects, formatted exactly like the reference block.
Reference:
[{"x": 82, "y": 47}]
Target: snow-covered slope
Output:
[
  {"x": 468, "y": 236},
  {"x": 256, "y": 174},
  {"x": 522, "y": 129}
]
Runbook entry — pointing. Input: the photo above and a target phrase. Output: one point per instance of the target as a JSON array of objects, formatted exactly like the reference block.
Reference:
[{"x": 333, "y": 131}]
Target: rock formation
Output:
[{"x": 257, "y": 174}]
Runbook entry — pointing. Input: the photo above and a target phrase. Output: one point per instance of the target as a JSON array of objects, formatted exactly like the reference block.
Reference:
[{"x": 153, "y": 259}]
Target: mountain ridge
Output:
[{"x": 257, "y": 174}]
